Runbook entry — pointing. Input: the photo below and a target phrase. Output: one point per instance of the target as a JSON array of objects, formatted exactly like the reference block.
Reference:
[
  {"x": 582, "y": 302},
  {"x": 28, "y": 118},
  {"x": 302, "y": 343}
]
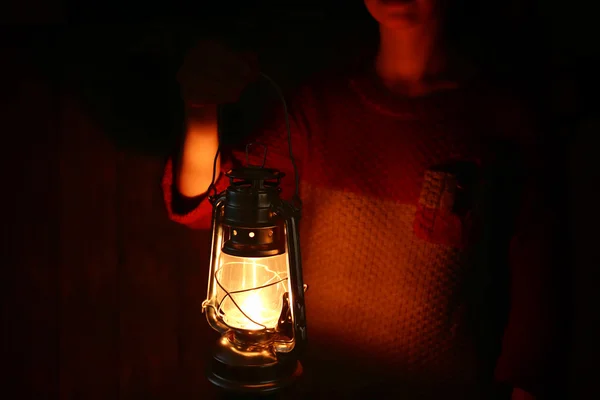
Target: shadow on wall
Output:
[
  {"x": 125, "y": 74},
  {"x": 134, "y": 96},
  {"x": 131, "y": 94}
]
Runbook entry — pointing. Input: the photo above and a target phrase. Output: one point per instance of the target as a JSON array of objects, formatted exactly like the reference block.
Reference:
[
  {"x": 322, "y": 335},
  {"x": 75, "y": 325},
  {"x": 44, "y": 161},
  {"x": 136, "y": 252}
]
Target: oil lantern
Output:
[{"x": 255, "y": 294}]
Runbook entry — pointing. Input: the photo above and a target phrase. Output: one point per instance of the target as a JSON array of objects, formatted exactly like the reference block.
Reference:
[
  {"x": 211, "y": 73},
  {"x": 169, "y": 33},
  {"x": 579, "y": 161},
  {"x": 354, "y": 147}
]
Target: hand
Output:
[
  {"x": 520, "y": 394},
  {"x": 214, "y": 74}
]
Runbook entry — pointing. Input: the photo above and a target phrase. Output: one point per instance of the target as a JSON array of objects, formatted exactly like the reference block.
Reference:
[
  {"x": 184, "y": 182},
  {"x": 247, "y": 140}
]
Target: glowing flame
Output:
[{"x": 257, "y": 286}]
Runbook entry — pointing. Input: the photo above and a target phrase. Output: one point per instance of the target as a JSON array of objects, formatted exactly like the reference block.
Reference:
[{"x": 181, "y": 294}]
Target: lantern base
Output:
[{"x": 251, "y": 372}]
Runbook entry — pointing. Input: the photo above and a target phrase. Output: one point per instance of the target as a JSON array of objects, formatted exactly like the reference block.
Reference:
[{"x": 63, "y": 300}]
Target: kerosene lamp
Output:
[{"x": 255, "y": 294}]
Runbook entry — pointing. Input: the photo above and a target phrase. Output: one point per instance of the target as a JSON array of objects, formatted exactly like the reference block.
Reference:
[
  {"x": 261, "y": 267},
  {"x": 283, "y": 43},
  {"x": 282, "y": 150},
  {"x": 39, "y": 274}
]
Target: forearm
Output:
[{"x": 195, "y": 165}]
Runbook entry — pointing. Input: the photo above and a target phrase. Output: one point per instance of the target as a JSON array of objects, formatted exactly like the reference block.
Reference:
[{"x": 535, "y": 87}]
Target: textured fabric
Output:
[{"x": 407, "y": 218}]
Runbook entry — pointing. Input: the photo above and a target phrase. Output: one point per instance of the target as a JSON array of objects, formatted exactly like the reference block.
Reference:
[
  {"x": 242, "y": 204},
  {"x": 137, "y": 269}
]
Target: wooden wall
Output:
[{"x": 103, "y": 292}]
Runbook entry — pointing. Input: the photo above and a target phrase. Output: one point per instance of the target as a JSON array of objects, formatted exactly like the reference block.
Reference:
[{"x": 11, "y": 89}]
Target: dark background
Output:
[{"x": 101, "y": 292}]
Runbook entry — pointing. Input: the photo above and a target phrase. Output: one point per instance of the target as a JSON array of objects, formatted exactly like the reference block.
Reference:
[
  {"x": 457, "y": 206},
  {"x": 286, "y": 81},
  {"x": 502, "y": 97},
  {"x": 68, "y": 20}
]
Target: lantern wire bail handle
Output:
[
  {"x": 213, "y": 187},
  {"x": 296, "y": 200}
]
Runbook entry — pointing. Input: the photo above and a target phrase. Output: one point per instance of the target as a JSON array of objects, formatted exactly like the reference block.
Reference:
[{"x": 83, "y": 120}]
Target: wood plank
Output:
[
  {"x": 89, "y": 258},
  {"x": 148, "y": 341},
  {"x": 584, "y": 220},
  {"x": 195, "y": 336},
  {"x": 164, "y": 338},
  {"x": 29, "y": 231}
]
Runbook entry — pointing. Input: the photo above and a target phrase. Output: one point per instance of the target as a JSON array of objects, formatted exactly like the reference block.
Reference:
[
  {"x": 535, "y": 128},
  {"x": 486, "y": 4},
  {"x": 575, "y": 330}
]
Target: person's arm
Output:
[
  {"x": 187, "y": 177},
  {"x": 212, "y": 73},
  {"x": 194, "y": 170},
  {"x": 531, "y": 334},
  {"x": 188, "y": 174}
]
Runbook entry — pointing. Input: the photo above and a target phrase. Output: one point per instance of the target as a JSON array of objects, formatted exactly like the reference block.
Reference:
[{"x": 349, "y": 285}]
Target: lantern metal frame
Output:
[
  {"x": 250, "y": 361},
  {"x": 256, "y": 361}
]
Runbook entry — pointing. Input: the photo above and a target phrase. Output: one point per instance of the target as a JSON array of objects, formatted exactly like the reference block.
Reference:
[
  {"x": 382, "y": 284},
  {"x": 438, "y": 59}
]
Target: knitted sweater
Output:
[{"x": 409, "y": 210}]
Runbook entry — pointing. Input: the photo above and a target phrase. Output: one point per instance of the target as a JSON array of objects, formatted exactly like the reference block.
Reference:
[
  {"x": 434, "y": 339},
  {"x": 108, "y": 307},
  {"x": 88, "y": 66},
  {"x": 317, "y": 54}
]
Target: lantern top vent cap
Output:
[{"x": 251, "y": 173}]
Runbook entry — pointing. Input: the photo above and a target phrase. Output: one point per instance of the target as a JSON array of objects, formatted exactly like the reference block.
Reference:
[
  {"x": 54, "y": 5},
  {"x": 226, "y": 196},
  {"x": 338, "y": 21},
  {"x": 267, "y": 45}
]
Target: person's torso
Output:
[{"x": 393, "y": 233}]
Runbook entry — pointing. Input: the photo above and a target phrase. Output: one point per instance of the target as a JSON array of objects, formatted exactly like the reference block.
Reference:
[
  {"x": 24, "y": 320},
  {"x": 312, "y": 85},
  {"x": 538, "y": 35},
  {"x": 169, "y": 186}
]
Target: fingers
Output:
[{"x": 211, "y": 72}]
